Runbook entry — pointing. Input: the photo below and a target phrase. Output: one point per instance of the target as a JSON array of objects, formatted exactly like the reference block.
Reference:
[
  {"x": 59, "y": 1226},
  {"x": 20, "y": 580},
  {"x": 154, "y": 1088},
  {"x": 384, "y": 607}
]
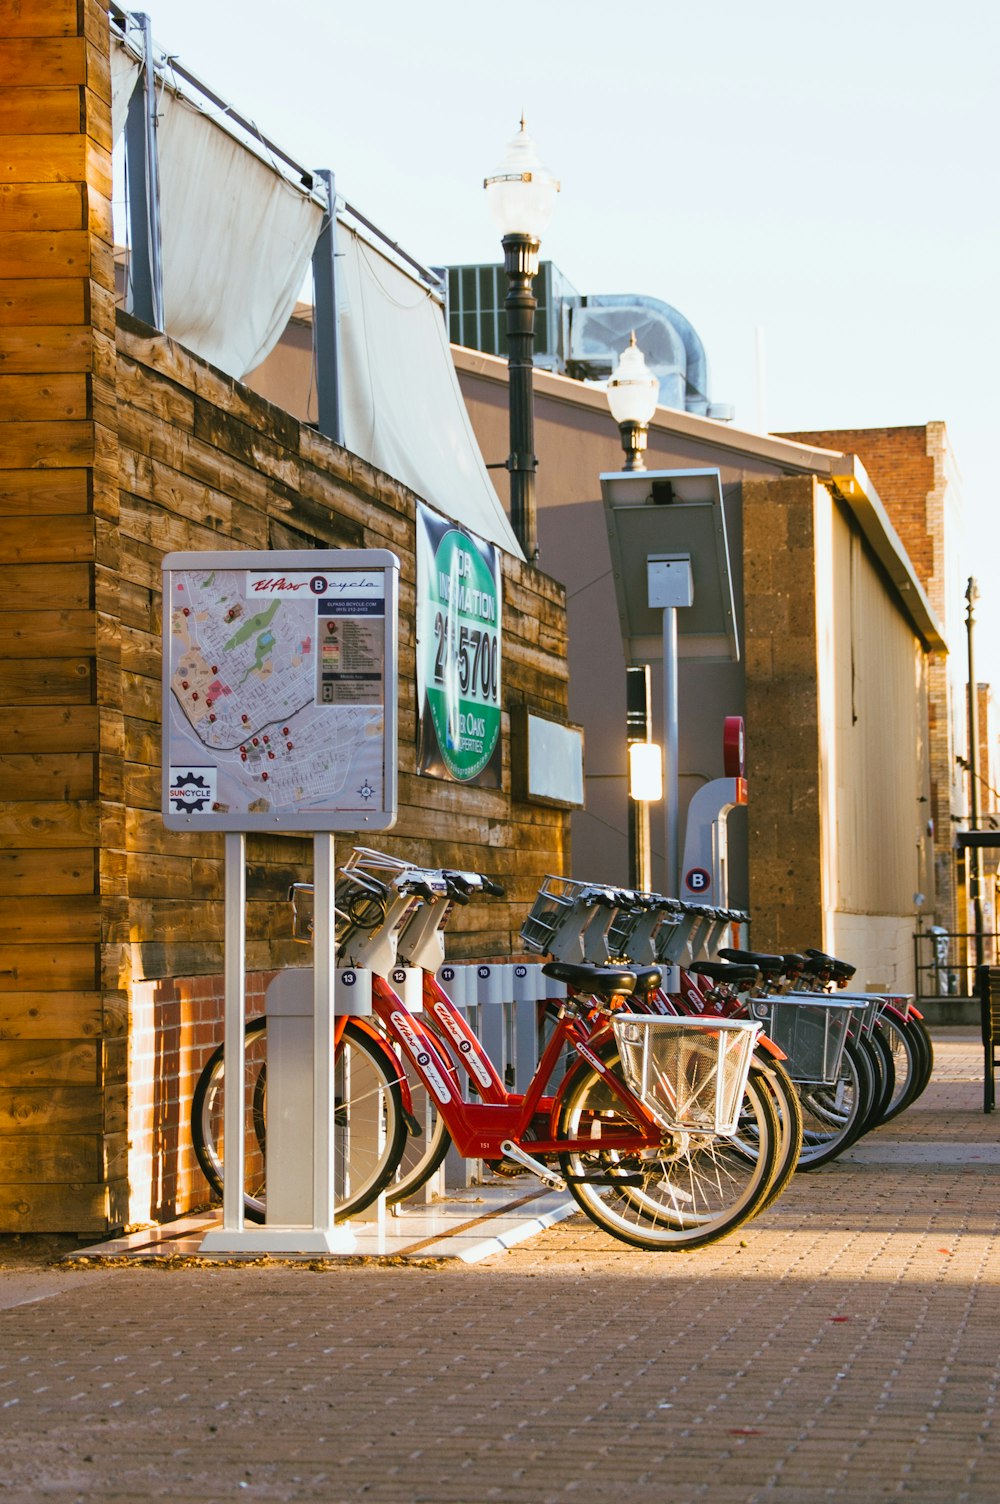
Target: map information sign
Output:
[{"x": 279, "y": 690}]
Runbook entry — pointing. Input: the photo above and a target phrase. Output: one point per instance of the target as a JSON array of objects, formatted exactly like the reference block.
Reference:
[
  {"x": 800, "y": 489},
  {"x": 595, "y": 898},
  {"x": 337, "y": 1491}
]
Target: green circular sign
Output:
[{"x": 463, "y": 687}]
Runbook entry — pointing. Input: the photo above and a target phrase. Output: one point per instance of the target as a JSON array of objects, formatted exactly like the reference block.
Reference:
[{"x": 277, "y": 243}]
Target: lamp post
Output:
[
  {"x": 975, "y": 854},
  {"x": 521, "y": 194},
  {"x": 632, "y": 395}
]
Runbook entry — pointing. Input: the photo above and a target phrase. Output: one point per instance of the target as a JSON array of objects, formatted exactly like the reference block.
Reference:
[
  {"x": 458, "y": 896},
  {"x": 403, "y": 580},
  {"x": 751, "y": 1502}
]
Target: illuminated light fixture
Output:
[
  {"x": 645, "y": 772},
  {"x": 633, "y": 392}
]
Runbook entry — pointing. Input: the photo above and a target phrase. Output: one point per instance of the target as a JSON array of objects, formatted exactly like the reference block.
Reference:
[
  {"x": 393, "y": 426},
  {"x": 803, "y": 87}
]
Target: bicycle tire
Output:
[
  {"x": 697, "y": 1193},
  {"x": 771, "y": 1072},
  {"x": 883, "y": 1077},
  {"x": 833, "y": 1117},
  {"x": 363, "y": 1083},
  {"x": 907, "y": 1060},
  {"x": 880, "y": 1054},
  {"x": 423, "y": 1155},
  {"x": 925, "y": 1046}
]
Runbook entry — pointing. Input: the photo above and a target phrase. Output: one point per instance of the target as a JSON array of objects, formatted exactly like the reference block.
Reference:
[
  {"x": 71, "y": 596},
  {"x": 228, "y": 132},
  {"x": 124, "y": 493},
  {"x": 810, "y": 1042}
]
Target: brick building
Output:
[{"x": 917, "y": 477}]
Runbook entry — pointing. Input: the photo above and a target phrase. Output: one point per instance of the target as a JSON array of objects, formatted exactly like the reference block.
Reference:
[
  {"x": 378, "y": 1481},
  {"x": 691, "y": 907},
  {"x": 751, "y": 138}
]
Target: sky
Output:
[{"x": 814, "y": 187}]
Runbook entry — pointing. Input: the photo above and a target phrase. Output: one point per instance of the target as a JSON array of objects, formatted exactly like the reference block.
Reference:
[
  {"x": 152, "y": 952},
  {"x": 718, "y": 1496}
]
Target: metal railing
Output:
[{"x": 945, "y": 962}]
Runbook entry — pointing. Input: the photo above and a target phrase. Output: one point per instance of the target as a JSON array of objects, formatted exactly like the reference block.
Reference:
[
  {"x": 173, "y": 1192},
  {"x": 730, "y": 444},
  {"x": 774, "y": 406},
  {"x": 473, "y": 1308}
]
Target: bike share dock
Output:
[{"x": 465, "y": 1225}]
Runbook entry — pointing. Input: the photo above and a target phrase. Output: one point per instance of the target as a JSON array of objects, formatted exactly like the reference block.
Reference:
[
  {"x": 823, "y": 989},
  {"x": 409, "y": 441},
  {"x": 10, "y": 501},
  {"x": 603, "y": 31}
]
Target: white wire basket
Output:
[
  {"x": 690, "y": 1073},
  {"x": 811, "y": 1032}
]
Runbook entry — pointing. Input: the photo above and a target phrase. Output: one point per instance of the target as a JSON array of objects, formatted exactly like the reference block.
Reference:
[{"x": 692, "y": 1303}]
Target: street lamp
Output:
[
  {"x": 633, "y": 391},
  {"x": 975, "y": 858},
  {"x": 521, "y": 194}
]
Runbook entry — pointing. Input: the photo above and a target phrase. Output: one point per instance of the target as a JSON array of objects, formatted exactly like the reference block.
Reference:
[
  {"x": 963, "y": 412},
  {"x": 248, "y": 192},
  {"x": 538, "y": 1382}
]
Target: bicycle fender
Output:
[
  {"x": 770, "y": 1048},
  {"x": 391, "y": 1058}
]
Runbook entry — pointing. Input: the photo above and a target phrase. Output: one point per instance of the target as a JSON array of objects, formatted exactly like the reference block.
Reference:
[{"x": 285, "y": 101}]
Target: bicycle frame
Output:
[{"x": 480, "y": 1129}]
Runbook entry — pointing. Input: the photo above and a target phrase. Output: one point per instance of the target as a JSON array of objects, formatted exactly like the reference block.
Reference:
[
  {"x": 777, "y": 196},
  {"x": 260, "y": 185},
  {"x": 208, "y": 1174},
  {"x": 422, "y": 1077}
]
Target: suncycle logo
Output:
[
  {"x": 428, "y": 1069},
  {"x": 192, "y": 789}
]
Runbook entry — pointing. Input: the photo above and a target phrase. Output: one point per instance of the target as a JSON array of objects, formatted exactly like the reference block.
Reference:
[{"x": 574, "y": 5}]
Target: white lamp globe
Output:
[
  {"x": 633, "y": 390},
  {"x": 522, "y": 191}
]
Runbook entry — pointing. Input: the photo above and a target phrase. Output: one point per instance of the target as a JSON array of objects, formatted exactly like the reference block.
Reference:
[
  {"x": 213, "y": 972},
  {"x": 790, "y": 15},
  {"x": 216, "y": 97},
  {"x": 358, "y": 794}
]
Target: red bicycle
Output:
[{"x": 660, "y": 1127}]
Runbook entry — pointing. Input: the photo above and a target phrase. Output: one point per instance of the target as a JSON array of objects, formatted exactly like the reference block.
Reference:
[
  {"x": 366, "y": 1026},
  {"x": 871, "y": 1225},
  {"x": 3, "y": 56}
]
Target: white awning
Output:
[
  {"x": 402, "y": 407},
  {"x": 237, "y": 240},
  {"x": 124, "y": 77}
]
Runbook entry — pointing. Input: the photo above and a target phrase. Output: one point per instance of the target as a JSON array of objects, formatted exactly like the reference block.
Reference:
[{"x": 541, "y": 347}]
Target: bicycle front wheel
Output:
[
  {"x": 422, "y": 1155},
  {"x": 369, "y": 1127},
  {"x": 697, "y": 1189}
]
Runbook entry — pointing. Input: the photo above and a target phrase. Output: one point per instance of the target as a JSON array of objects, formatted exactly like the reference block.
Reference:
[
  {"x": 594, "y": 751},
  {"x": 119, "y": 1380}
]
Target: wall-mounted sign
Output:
[
  {"x": 459, "y": 609},
  {"x": 546, "y": 759},
  {"x": 279, "y": 690}
]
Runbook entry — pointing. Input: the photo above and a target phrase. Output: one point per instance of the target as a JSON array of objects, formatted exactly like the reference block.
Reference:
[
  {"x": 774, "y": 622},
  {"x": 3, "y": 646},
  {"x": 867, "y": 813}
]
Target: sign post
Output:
[{"x": 279, "y": 714}]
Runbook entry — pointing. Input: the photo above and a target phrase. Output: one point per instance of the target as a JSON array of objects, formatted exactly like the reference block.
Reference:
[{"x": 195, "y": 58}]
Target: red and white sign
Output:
[{"x": 734, "y": 749}]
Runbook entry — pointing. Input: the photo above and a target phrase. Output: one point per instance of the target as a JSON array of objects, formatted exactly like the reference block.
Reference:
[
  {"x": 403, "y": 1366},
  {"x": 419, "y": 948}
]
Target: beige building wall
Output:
[
  {"x": 826, "y": 852},
  {"x": 837, "y": 758},
  {"x": 875, "y": 764}
]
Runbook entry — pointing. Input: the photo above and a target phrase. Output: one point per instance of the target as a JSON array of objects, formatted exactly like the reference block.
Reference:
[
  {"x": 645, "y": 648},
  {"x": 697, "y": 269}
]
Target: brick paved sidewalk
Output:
[{"x": 843, "y": 1347}]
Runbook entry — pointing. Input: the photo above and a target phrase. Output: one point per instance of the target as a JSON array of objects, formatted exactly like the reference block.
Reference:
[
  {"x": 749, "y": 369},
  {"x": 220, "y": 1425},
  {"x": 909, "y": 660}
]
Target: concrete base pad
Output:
[{"x": 468, "y": 1225}]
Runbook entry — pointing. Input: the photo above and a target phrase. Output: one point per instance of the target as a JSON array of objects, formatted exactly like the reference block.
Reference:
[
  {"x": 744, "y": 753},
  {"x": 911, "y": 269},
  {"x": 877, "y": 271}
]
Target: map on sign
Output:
[{"x": 276, "y": 682}]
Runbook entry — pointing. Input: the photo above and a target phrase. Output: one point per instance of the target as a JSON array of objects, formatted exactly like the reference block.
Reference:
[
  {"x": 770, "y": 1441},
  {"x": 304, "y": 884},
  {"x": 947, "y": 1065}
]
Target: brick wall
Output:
[
  {"x": 782, "y": 708},
  {"x": 910, "y": 469}
]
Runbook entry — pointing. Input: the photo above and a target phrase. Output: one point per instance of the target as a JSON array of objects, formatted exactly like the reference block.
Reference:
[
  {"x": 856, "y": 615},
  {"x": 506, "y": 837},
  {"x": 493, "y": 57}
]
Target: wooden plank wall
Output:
[
  {"x": 115, "y": 448},
  {"x": 62, "y": 922},
  {"x": 206, "y": 463}
]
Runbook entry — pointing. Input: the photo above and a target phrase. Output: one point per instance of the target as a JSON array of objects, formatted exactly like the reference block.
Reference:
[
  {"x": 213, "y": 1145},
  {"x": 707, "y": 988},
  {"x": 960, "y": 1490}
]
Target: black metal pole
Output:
[
  {"x": 326, "y": 337},
  {"x": 975, "y": 854},
  {"x": 520, "y": 260}
]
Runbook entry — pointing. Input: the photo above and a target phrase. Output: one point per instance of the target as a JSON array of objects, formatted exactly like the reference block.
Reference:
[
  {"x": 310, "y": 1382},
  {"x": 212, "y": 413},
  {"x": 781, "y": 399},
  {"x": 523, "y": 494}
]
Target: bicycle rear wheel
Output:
[
  {"x": 834, "y": 1116},
  {"x": 696, "y": 1191},
  {"x": 913, "y": 1058},
  {"x": 368, "y": 1108}
]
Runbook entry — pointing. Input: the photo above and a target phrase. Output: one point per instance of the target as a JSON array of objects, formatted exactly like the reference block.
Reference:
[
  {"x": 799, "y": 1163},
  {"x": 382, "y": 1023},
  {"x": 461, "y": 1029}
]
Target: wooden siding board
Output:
[
  {"x": 45, "y": 349},
  {"x": 42, "y": 206},
  {"x": 38, "y": 111},
  {"x": 49, "y": 823},
  {"x": 47, "y": 634},
  {"x": 45, "y": 681},
  {"x": 58, "y": 444},
  {"x": 47, "y": 1062},
  {"x": 30, "y": 586},
  {"x": 27, "y": 871},
  {"x": 42, "y": 158},
  {"x": 52, "y": 1015},
  {"x": 61, "y": 539},
  {"x": 37, "y": 776},
  {"x": 31, "y": 1207},
  {"x": 39, "y": 398},
  {"x": 44, "y": 493},
  {"x": 52, "y": 728},
  {"x": 56, "y": 18},
  {"x": 43, "y": 301}
]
